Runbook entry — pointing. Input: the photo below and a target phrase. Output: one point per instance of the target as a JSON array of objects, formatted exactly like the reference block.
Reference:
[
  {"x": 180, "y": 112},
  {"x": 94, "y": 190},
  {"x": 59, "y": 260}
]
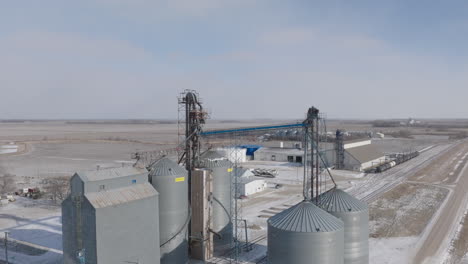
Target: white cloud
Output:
[{"x": 261, "y": 68}]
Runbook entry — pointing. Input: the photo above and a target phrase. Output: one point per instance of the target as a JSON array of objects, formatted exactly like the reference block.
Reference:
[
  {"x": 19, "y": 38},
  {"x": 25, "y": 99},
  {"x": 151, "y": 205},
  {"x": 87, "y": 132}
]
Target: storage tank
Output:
[
  {"x": 355, "y": 216},
  {"x": 221, "y": 168},
  {"x": 305, "y": 234},
  {"x": 170, "y": 180}
]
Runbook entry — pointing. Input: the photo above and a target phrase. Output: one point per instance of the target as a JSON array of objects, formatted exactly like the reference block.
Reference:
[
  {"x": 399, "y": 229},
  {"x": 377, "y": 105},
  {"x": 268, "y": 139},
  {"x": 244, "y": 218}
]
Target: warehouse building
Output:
[
  {"x": 279, "y": 154},
  {"x": 111, "y": 216},
  {"x": 251, "y": 185},
  {"x": 356, "y": 155}
]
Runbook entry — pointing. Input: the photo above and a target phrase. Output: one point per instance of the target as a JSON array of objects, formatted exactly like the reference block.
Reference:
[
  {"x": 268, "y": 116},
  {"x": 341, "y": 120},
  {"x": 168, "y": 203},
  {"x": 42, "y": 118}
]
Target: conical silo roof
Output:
[
  {"x": 305, "y": 217},
  {"x": 166, "y": 167},
  {"x": 213, "y": 159},
  {"x": 212, "y": 154},
  {"x": 336, "y": 200}
]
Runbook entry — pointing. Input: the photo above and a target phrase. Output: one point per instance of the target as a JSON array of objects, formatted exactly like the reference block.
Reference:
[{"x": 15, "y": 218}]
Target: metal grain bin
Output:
[
  {"x": 305, "y": 234},
  {"x": 355, "y": 216},
  {"x": 221, "y": 168},
  {"x": 170, "y": 180}
]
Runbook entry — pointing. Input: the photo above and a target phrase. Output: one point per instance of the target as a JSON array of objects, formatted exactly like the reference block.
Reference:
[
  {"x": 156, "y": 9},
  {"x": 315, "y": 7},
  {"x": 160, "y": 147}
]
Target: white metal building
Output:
[
  {"x": 251, "y": 185},
  {"x": 359, "y": 155}
]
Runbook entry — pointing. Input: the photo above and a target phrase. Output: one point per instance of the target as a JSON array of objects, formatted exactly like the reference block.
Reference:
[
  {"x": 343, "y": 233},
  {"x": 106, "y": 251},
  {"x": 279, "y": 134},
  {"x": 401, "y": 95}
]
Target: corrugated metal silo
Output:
[
  {"x": 221, "y": 168},
  {"x": 170, "y": 180},
  {"x": 355, "y": 216},
  {"x": 305, "y": 234}
]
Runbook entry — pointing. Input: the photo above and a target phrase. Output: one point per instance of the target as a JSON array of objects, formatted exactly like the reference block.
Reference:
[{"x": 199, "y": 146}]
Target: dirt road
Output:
[{"x": 442, "y": 229}]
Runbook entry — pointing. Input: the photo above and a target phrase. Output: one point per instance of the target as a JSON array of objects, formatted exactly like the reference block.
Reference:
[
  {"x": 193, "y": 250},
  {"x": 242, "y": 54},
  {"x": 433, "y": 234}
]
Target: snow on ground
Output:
[
  {"x": 348, "y": 174},
  {"x": 465, "y": 259},
  {"x": 405, "y": 211},
  {"x": 46, "y": 238},
  {"x": 35, "y": 231},
  {"x": 8, "y": 149},
  {"x": 449, "y": 253},
  {"x": 46, "y": 232},
  {"x": 39, "y": 223},
  {"x": 288, "y": 173},
  {"x": 46, "y": 258},
  {"x": 396, "y": 250}
]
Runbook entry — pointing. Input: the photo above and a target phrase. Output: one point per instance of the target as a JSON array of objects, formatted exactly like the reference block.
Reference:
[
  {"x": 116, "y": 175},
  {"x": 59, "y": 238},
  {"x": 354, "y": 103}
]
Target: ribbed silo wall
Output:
[{"x": 170, "y": 180}]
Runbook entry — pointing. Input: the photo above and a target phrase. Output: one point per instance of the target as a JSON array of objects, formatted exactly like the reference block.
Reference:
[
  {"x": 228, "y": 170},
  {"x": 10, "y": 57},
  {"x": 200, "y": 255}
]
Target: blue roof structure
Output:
[{"x": 250, "y": 148}]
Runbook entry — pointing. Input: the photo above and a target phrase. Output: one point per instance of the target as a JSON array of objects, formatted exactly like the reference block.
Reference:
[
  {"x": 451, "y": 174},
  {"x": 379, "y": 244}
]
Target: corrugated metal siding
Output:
[
  {"x": 221, "y": 169},
  {"x": 68, "y": 232},
  {"x": 166, "y": 167},
  {"x": 170, "y": 180},
  {"x": 365, "y": 153},
  {"x": 355, "y": 216},
  {"x": 128, "y": 233},
  {"x": 305, "y": 234},
  {"x": 336, "y": 200},
  {"x": 212, "y": 159},
  {"x": 110, "y": 173},
  {"x": 285, "y": 151},
  {"x": 305, "y": 217},
  {"x": 121, "y": 195}
]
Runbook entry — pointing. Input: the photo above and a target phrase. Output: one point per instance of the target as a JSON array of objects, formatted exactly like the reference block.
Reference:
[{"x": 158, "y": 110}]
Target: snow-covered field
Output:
[
  {"x": 450, "y": 255},
  {"x": 38, "y": 224},
  {"x": 395, "y": 250}
]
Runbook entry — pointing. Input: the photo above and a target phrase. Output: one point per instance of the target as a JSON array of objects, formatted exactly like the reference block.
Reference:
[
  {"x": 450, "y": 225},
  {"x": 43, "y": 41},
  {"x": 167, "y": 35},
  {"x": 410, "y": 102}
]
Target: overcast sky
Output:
[{"x": 246, "y": 58}]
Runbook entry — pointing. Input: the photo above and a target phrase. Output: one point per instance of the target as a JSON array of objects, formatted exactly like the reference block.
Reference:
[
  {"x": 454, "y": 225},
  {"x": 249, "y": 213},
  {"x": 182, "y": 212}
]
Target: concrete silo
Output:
[
  {"x": 305, "y": 234},
  {"x": 170, "y": 180},
  {"x": 221, "y": 169},
  {"x": 355, "y": 216}
]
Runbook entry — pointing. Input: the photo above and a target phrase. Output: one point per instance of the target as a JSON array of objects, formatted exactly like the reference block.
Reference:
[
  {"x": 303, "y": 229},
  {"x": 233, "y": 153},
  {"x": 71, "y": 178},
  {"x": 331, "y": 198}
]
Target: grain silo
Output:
[
  {"x": 355, "y": 216},
  {"x": 221, "y": 168},
  {"x": 111, "y": 216},
  {"x": 305, "y": 234},
  {"x": 170, "y": 180}
]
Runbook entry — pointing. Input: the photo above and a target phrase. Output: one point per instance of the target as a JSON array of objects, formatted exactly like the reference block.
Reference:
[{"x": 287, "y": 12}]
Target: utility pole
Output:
[{"x": 6, "y": 247}]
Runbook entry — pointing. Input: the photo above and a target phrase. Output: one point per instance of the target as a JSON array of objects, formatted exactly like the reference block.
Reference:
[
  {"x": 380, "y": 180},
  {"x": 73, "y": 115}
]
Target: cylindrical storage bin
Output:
[
  {"x": 221, "y": 168},
  {"x": 355, "y": 216},
  {"x": 305, "y": 234},
  {"x": 170, "y": 180}
]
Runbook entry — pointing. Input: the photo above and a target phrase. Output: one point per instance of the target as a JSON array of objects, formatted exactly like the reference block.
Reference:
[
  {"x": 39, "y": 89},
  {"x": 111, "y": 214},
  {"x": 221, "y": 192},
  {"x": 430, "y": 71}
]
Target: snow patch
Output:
[
  {"x": 451, "y": 248},
  {"x": 395, "y": 250},
  {"x": 4, "y": 149}
]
